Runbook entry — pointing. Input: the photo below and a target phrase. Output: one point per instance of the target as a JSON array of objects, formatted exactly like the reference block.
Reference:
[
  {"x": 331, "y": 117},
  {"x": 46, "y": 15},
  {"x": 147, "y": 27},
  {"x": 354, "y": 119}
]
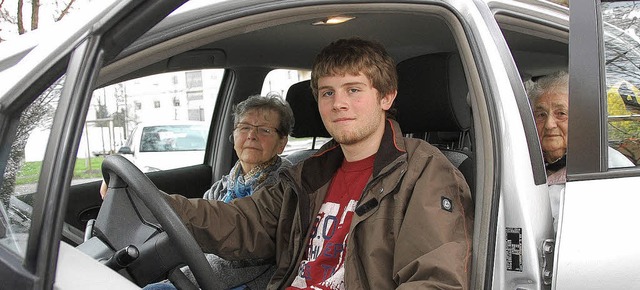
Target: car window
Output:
[
  {"x": 23, "y": 168},
  {"x": 622, "y": 65},
  {"x": 278, "y": 81},
  {"x": 165, "y": 138},
  {"x": 159, "y": 122}
]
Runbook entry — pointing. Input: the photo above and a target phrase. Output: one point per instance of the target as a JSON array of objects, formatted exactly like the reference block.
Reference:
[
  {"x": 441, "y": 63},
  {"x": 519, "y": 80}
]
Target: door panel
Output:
[
  {"x": 598, "y": 207},
  {"x": 85, "y": 201},
  {"x": 597, "y": 235}
]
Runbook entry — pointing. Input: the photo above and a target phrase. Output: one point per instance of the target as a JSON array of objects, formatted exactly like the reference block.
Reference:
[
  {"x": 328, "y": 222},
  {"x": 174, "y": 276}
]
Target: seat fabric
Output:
[{"x": 432, "y": 102}]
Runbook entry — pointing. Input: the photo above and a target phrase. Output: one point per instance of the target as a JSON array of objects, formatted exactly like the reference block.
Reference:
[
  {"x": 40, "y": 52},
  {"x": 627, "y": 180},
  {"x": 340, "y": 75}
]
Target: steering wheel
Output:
[{"x": 120, "y": 172}]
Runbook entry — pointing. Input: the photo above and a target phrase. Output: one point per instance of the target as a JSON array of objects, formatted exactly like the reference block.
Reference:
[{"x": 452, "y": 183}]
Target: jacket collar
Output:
[
  {"x": 329, "y": 157},
  {"x": 391, "y": 147}
]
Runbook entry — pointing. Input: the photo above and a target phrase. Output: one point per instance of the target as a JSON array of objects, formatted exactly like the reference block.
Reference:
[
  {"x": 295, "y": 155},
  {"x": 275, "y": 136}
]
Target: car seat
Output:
[
  {"x": 432, "y": 104},
  {"x": 308, "y": 121}
]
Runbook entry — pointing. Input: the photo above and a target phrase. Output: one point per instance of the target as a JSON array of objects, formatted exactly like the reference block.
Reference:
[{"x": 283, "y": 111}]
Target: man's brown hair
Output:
[{"x": 354, "y": 56}]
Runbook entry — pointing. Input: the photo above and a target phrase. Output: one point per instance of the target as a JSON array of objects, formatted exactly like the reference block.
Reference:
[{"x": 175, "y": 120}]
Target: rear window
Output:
[{"x": 173, "y": 138}]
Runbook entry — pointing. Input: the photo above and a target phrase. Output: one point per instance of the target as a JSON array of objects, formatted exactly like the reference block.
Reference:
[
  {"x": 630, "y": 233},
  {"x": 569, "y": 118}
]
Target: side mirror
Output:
[{"x": 125, "y": 150}]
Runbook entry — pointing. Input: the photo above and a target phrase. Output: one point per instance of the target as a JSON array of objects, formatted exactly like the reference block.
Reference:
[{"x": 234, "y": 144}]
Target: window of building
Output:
[
  {"x": 196, "y": 114},
  {"x": 194, "y": 79},
  {"x": 194, "y": 96}
]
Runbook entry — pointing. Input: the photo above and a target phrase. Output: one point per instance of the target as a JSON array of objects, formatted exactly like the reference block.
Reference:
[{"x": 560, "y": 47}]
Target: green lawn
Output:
[{"x": 31, "y": 170}]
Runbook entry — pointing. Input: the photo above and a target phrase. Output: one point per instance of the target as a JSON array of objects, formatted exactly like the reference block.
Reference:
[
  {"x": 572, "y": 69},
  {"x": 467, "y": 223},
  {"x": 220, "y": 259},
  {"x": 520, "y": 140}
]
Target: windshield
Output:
[{"x": 173, "y": 138}]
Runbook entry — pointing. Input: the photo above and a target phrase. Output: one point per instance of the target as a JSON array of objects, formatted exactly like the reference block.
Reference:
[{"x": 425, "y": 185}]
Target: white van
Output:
[{"x": 166, "y": 145}]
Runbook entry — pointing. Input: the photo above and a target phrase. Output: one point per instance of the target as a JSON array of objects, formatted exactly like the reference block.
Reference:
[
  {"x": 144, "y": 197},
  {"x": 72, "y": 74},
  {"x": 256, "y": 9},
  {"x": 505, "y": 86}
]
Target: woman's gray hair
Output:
[
  {"x": 269, "y": 102},
  {"x": 557, "y": 82}
]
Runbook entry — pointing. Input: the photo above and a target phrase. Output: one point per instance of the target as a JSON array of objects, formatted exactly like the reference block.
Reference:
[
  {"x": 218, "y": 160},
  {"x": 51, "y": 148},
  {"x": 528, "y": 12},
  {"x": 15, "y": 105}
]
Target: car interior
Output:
[{"x": 437, "y": 96}]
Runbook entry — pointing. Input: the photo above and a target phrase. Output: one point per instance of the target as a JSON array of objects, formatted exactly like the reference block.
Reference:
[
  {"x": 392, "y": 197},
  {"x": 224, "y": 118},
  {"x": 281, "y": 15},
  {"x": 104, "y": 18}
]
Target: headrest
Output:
[
  {"x": 305, "y": 111},
  {"x": 432, "y": 94}
]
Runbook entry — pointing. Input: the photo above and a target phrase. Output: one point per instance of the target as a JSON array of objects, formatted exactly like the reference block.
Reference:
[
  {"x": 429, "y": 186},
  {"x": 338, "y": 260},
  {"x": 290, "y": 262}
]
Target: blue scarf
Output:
[{"x": 241, "y": 185}]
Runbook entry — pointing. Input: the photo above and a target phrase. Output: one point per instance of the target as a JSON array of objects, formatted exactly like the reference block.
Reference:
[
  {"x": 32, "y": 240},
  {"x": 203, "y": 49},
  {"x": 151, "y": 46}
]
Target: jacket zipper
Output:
[
  {"x": 297, "y": 252},
  {"x": 353, "y": 227}
]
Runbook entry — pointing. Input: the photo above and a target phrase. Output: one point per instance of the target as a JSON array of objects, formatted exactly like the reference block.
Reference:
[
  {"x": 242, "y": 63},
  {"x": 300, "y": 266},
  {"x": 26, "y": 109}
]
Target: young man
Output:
[{"x": 370, "y": 210}]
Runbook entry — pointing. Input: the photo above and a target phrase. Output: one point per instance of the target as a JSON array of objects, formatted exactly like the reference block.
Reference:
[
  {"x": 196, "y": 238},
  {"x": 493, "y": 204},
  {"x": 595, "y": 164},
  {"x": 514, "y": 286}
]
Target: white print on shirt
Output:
[{"x": 326, "y": 226}]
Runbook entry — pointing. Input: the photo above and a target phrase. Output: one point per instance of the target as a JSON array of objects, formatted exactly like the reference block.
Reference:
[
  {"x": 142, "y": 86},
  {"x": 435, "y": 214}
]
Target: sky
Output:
[{"x": 48, "y": 11}]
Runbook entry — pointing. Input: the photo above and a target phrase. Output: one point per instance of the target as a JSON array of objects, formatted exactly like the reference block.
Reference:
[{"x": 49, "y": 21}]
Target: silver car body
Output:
[{"x": 593, "y": 248}]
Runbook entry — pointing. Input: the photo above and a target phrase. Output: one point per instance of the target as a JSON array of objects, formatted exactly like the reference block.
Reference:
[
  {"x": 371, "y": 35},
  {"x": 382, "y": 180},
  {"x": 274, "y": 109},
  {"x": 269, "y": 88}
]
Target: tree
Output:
[
  {"x": 6, "y": 17},
  {"x": 39, "y": 113},
  {"x": 622, "y": 62},
  {"x": 102, "y": 114},
  {"x": 61, "y": 9}
]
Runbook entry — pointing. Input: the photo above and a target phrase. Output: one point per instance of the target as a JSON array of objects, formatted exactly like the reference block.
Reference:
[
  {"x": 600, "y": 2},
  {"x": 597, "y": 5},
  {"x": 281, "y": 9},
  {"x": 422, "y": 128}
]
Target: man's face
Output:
[
  {"x": 551, "y": 112},
  {"x": 351, "y": 109}
]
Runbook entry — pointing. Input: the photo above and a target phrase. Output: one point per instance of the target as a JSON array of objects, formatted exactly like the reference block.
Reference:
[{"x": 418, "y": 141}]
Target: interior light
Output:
[{"x": 334, "y": 20}]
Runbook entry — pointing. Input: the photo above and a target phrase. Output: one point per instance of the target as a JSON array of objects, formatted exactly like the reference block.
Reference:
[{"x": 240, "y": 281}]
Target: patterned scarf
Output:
[{"x": 241, "y": 185}]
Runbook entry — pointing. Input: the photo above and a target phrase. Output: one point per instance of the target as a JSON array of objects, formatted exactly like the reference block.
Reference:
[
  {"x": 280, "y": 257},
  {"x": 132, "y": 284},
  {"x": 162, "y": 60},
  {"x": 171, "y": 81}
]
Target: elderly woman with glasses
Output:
[
  {"x": 549, "y": 98},
  {"x": 261, "y": 127}
]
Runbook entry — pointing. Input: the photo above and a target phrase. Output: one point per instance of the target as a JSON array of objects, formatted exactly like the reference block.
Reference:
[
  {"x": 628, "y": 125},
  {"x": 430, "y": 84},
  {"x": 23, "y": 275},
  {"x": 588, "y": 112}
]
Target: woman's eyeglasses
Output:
[{"x": 243, "y": 128}]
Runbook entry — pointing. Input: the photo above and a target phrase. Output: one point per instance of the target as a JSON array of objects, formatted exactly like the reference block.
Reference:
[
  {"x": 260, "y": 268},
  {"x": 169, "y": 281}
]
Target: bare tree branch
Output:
[
  {"x": 65, "y": 11},
  {"x": 6, "y": 16},
  {"x": 35, "y": 14},
  {"x": 20, "y": 20}
]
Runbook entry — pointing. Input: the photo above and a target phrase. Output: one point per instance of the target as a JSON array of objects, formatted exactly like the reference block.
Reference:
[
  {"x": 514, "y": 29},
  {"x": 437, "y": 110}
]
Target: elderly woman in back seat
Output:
[
  {"x": 261, "y": 128},
  {"x": 549, "y": 99}
]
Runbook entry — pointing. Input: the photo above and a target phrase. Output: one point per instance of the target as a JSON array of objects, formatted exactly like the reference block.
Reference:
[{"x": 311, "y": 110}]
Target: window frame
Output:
[
  {"x": 586, "y": 159},
  {"x": 81, "y": 60}
]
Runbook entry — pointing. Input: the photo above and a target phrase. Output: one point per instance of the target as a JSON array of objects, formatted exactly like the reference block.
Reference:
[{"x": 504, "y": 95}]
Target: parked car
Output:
[
  {"x": 468, "y": 59},
  {"x": 166, "y": 145}
]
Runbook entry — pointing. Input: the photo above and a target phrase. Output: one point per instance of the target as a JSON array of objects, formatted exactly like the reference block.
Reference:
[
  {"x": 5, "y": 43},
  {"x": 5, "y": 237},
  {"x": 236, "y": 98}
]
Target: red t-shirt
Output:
[{"x": 323, "y": 264}]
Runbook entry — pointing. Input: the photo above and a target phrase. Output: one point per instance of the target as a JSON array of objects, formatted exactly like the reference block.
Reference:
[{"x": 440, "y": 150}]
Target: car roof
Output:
[
  {"x": 283, "y": 35},
  {"x": 280, "y": 34}
]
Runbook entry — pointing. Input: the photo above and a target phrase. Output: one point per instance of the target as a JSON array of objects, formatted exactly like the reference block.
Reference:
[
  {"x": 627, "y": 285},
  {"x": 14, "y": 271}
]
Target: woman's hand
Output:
[{"x": 103, "y": 189}]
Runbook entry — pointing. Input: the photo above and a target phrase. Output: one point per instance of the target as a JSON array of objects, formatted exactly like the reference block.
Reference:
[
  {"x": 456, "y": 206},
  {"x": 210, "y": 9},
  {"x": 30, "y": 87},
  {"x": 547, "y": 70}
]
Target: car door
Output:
[
  {"x": 67, "y": 67},
  {"x": 595, "y": 245}
]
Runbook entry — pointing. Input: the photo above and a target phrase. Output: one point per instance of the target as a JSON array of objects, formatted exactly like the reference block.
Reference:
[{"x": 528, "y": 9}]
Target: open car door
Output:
[{"x": 598, "y": 211}]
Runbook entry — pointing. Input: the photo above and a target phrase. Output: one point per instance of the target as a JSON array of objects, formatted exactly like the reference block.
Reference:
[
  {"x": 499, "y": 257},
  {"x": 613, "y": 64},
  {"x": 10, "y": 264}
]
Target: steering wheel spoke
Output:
[{"x": 135, "y": 212}]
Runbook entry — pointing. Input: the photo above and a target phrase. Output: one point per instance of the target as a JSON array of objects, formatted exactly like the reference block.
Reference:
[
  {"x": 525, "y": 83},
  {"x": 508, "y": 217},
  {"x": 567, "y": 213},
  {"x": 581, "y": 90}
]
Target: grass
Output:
[{"x": 30, "y": 171}]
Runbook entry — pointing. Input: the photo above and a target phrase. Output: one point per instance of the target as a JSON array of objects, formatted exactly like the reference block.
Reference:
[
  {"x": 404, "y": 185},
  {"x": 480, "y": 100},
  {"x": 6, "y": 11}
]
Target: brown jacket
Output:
[{"x": 403, "y": 235}]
